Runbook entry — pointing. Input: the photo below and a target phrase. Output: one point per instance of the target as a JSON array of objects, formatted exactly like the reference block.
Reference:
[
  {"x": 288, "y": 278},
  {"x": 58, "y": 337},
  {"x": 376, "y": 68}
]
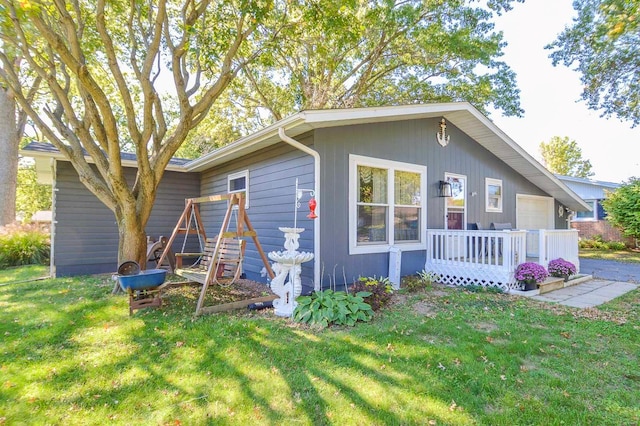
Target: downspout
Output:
[
  {"x": 52, "y": 229},
  {"x": 316, "y": 188}
]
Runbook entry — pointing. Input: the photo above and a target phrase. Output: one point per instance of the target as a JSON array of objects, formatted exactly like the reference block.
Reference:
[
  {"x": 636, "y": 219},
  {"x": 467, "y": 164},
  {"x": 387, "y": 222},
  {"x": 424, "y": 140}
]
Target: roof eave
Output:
[{"x": 57, "y": 155}]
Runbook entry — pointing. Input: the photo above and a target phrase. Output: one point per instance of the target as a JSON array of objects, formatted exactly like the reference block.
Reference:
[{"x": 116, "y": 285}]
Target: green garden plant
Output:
[
  {"x": 23, "y": 245},
  {"x": 421, "y": 281},
  {"x": 598, "y": 243},
  {"x": 380, "y": 290},
  {"x": 329, "y": 307}
]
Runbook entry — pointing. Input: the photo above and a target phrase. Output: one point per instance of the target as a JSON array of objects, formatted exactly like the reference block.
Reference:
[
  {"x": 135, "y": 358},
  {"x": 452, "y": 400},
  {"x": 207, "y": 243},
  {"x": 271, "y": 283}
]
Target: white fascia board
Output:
[{"x": 346, "y": 116}]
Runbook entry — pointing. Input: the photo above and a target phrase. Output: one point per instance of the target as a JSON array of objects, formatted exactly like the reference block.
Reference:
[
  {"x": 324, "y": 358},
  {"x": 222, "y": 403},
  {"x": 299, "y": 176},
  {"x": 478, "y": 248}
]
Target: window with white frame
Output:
[
  {"x": 386, "y": 205},
  {"x": 493, "y": 191},
  {"x": 239, "y": 183},
  {"x": 585, "y": 215}
]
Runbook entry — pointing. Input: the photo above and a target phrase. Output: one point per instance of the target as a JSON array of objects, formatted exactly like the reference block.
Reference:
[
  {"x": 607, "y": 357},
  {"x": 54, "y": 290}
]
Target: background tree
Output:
[
  {"x": 340, "y": 54},
  {"x": 564, "y": 157},
  {"x": 13, "y": 121},
  {"x": 133, "y": 74},
  {"x": 31, "y": 196},
  {"x": 623, "y": 207},
  {"x": 8, "y": 151},
  {"x": 604, "y": 43}
]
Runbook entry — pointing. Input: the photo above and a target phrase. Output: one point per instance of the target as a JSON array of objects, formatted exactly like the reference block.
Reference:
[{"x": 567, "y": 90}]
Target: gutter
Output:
[{"x": 316, "y": 188}]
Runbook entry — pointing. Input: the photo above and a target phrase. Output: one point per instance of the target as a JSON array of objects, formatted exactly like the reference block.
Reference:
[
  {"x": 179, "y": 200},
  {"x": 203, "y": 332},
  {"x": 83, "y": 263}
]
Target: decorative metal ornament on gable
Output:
[{"x": 443, "y": 138}]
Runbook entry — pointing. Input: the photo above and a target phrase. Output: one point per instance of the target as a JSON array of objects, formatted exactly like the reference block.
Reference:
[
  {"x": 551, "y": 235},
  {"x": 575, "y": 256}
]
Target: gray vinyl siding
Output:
[
  {"x": 412, "y": 141},
  {"x": 272, "y": 175},
  {"x": 86, "y": 234}
]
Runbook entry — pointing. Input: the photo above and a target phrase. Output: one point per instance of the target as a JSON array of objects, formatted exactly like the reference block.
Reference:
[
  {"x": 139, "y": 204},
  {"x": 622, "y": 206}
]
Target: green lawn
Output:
[
  {"x": 619, "y": 255},
  {"x": 70, "y": 354}
]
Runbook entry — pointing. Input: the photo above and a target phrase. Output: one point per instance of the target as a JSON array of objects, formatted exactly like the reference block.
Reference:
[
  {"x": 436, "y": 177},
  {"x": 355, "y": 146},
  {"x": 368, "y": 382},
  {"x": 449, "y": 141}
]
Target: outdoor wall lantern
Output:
[{"x": 444, "y": 190}]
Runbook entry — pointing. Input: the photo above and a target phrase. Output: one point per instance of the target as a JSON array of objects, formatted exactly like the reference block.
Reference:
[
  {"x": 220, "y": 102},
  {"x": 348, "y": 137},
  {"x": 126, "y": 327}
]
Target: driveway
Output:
[{"x": 611, "y": 270}]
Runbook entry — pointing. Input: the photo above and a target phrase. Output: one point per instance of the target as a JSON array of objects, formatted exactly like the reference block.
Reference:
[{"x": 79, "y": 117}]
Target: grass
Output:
[
  {"x": 23, "y": 273},
  {"x": 632, "y": 256},
  {"x": 70, "y": 354}
]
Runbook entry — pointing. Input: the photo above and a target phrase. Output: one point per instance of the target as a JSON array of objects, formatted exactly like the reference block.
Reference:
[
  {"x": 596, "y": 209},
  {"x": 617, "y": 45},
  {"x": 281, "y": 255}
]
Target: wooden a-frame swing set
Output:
[{"x": 220, "y": 258}]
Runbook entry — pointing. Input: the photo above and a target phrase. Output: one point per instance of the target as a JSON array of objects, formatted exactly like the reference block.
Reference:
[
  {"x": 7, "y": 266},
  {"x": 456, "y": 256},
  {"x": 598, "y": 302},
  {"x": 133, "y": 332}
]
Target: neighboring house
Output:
[
  {"x": 378, "y": 175},
  {"x": 592, "y": 223}
]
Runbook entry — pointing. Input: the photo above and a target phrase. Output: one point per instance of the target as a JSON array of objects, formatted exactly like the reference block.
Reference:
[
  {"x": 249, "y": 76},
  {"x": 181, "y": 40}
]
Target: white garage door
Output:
[{"x": 532, "y": 213}]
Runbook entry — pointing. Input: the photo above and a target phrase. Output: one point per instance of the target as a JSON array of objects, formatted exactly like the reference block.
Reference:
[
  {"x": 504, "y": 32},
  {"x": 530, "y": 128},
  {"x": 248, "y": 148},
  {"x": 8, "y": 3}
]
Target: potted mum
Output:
[
  {"x": 529, "y": 274},
  {"x": 561, "y": 268}
]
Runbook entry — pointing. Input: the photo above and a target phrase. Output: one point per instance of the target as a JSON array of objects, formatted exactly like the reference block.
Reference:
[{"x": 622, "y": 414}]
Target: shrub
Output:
[
  {"x": 328, "y": 307},
  {"x": 379, "y": 288},
  {"x": 530, "y": 271},
  {"x": 561, "y": 268},
  {"x": 616, "y": 245},
  {"x": 421, "y": 281},
  {"x": 597, "y": 243},
  {"x": 23, "y": 245}
]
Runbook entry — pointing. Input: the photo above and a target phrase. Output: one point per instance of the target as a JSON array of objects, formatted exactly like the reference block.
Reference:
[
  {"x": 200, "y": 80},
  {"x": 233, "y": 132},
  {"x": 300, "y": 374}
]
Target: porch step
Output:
[
  {"x": 550, "y": 284},
  {"x": 554, "y": 283}
]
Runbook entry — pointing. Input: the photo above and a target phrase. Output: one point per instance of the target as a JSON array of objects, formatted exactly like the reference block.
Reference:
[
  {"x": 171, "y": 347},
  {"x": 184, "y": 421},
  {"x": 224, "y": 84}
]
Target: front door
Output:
[{"x": 456, "y": 206}]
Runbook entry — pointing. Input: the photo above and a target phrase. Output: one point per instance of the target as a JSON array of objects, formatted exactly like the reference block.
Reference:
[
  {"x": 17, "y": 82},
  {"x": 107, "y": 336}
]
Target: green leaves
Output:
[
  {"x": 564, "y": 157},
  {"x": 328, "y": 307},
  {"x": 623, "y": 208},
  {"x": 604, "y": 46}
]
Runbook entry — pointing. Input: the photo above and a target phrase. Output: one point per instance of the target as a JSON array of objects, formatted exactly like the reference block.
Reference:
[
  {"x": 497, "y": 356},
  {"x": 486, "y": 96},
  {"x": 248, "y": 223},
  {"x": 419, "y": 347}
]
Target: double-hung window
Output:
[
  {"x": 386, "y": 205},
  {"x": 493, "y": 191}
]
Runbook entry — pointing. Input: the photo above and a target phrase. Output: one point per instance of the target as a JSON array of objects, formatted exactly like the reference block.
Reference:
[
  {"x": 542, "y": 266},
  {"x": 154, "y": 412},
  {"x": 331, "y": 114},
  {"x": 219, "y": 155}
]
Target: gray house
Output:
[{"x": 426, "y": 182}]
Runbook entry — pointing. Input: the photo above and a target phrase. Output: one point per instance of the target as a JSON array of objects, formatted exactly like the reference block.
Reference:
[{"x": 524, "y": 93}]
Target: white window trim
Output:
[
  {"x": 245, "y": 175},
  {"x": 391, "y": 166},
  {"x": 494, "y": 182},
  {"x": 594, "y": 213}
]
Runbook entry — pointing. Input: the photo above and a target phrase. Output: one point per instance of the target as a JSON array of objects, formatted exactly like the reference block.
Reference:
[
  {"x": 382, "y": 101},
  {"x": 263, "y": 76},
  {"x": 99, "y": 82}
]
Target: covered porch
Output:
[{"x": 489, "y": 258}]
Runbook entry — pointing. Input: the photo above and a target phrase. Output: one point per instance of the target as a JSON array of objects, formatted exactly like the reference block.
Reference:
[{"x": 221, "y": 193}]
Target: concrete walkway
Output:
[{"x": 588, "y": 294}]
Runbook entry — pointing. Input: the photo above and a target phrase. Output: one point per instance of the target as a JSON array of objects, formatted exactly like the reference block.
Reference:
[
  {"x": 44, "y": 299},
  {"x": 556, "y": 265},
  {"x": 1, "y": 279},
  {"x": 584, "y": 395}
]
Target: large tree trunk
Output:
[
  {"x": 132, "y": 242},
  {"x": 8, "y": 158}
]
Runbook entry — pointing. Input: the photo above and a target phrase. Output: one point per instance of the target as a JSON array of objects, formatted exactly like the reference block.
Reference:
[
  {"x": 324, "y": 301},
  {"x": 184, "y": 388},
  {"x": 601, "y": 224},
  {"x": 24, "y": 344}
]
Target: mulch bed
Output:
[{"x": 218, "y": 294}]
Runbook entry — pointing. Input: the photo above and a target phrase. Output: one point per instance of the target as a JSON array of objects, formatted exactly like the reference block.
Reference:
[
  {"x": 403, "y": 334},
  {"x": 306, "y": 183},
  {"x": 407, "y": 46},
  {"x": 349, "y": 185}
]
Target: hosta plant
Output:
[{"x": 324, "y": 308}]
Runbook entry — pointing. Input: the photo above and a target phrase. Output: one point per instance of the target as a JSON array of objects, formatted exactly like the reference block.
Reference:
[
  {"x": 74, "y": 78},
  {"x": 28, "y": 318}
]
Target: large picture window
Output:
[
  {"x": 493, "y": 191},
  {"x": 386, "y": 205}
]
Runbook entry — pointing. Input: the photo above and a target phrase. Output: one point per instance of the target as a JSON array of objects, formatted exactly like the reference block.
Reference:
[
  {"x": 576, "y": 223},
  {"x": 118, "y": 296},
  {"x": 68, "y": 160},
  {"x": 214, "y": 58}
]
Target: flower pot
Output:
[{"x": 529, "y": 285}]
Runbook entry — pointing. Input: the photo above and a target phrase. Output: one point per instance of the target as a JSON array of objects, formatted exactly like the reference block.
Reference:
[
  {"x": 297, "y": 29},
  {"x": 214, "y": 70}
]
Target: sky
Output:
[{"x": 550, "y": 95}]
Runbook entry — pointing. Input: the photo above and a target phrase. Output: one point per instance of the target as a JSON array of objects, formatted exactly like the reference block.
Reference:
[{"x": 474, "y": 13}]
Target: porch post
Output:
[{"x": 542, "y": 247}]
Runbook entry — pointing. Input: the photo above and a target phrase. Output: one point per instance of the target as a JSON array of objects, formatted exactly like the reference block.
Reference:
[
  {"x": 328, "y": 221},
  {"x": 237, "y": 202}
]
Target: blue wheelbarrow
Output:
[{"x": 144, "y": 287}]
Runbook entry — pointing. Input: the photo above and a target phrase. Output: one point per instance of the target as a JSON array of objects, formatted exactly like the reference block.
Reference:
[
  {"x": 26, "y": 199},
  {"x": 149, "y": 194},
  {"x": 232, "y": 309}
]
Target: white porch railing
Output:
[
  {"x": 489, "y": 258},
  {"x": 555, "y": 243}
]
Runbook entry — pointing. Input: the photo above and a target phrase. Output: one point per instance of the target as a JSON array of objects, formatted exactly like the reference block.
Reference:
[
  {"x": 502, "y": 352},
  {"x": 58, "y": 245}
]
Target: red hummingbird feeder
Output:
[{"x": 312, "y": 208}]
